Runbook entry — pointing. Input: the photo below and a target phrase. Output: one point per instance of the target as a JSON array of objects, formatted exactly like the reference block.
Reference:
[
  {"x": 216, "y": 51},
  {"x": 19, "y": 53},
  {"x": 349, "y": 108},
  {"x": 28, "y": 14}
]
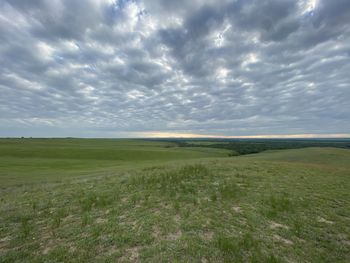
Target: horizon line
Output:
[
  {"x": 169, "y": 135},
  {"x": 266, "y": 136}
]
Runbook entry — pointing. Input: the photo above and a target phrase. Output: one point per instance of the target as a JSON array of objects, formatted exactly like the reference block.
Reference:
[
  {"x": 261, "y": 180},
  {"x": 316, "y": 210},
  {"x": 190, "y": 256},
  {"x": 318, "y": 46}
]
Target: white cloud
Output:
[{"x": 194, "y": 67}]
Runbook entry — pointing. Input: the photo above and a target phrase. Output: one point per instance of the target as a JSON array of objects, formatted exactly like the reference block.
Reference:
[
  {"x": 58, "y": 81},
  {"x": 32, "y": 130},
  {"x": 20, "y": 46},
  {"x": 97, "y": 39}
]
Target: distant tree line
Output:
[{"x": 255, "y": 146}]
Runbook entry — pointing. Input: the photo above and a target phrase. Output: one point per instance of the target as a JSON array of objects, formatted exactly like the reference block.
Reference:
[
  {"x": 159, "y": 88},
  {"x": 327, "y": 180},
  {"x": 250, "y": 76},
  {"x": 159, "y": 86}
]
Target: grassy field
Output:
[
  {"x": 189, "y": 206},
  {"x": 33, "y": 160}
]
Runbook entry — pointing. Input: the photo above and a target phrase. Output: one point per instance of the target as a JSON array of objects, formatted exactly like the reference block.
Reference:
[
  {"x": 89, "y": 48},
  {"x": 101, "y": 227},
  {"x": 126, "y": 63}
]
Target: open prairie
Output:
[
  {"x": 31, "y": 160},
  {"x": 174, "y": 131},
  {"x": 76, "y": 200}
]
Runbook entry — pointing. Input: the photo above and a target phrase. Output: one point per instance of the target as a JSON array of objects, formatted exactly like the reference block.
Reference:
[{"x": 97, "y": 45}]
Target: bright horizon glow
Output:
[
  {"x": 170, "y": 135},
  {"x": 269, "y": 136}
]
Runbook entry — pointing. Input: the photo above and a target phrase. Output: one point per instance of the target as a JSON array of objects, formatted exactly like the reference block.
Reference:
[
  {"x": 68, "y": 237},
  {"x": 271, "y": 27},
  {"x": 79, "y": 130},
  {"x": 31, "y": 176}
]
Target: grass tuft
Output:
[{"x": 277, "y": 204}]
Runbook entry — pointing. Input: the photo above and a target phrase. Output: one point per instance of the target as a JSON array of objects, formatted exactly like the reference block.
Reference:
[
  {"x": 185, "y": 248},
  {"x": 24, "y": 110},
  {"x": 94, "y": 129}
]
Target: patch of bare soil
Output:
[
  {"x": 274, "y": 225},
  {"x": 50, "y": 245},
  {"x": 177, "y": 218},
  {"x": 156, "y": 232},
  {"x": 282, "y": 240},
  {"x": 101, "y": 220},
  {"x": 3, "y": 243},
  {"x": 237, "y": 209},
  {"x": 174, "y": 236},
  {"x": 208, "y": 236},
  {"x": 133, "y": 254},
  {"x": 111, "y": 250},
  {"x": 323, "y": 220}
]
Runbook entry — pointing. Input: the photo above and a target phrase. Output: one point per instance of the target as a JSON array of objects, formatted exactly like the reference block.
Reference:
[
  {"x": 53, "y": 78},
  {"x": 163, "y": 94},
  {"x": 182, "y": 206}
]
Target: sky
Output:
[{"x": 156, "y": 68}]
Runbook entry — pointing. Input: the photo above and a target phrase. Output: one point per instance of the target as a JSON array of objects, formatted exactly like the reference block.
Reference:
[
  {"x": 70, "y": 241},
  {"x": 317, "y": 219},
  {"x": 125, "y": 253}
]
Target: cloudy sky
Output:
[{"x": 118, "y": 68}]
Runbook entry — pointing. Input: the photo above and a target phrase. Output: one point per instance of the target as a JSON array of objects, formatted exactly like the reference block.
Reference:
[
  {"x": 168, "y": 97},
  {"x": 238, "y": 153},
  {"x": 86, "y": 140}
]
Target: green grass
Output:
[
  {"x": 333, "y": 157},
  {"x": 281, "y": 206},
  {"x": 33, "y": 160}
]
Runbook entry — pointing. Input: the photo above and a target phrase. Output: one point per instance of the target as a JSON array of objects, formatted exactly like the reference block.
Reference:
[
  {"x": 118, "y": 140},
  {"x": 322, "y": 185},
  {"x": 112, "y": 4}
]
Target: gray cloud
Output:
[{"x": 117, "y": 68}]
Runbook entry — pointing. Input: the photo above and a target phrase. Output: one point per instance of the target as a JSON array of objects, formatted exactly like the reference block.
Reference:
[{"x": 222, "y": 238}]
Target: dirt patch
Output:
[
  {"x": 208, "y": 236},
  {"x": 48, "y": 247},
  {"x": 69, "y": 218},
  {"x": 5, "y": 239},
  {"x": 134, "y": 224},
  {"x": 121, "y": 217},
  {"x": 3, "y": 243},
  {"x": 323, "y": 220},
  {"x": 274, "y": 225},
  {"x": 346, "y": 242},
  {"x": 46, "y": 250},
  {"x": 300, "y": 240},
  {"x": 242, "y": 221},
  {"x": 237, "y": 209},
  {"x": 156, "y": 232},
  {"x": 72, "y": 248},
  {"x": 133, "y": 254},
  {"x": 174, "y": 236},
  {"x": 157, "y": 211},
  {"x": 111, "y": 250},
  {"x": 343, "y": 238},
  {"x": 177, "y": 218},
  {"x": 101, "y": 220},
  {"x": 282, "y": 240}
]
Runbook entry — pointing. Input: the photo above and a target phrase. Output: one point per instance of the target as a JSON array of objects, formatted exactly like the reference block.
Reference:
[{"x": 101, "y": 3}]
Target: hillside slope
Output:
[
  {"x": 271, "y": 207},
  {"x": 331, "y": 157}
]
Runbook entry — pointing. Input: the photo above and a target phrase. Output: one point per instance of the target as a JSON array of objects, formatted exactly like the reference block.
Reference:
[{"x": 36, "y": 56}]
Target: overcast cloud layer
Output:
[{"x": 110, "y": 68}]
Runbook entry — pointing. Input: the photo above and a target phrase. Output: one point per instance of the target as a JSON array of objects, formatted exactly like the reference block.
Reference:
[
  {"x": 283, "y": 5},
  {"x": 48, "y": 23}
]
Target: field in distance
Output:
[
  {"x": 32, "y": 160},
  {"x": 191, "y": 205}
]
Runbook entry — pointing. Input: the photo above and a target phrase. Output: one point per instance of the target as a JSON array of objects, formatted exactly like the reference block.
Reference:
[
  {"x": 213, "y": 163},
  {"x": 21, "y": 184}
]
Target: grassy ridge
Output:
[
  {"x": 324, "y": 157},
  {"x": 279, "y": 206}
]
